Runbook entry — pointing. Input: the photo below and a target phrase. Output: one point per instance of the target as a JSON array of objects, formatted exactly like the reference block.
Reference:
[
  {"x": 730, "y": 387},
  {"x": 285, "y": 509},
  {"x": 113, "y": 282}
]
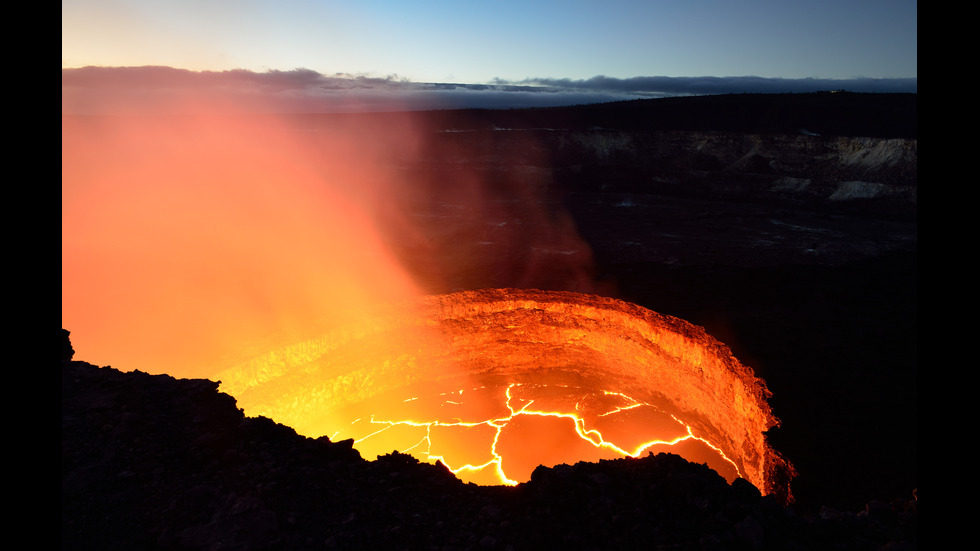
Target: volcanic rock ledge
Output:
[{"x": 153, "y": 462}]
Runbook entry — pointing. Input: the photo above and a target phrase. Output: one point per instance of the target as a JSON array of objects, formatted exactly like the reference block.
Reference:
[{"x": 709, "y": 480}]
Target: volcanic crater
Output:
[{"x": 778, "y": 230}]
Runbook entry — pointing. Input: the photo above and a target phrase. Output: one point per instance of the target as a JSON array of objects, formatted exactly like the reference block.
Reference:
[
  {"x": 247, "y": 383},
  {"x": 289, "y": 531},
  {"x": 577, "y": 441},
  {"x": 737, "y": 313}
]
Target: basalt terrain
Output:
[{"x": 784, "y": 225}]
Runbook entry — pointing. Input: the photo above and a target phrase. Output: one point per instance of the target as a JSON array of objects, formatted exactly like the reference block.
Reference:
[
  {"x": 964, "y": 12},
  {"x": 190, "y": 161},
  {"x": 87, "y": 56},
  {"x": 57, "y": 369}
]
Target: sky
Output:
[
  {"x": 232, "y": 232},
  {"x": 614, "y": 49}
]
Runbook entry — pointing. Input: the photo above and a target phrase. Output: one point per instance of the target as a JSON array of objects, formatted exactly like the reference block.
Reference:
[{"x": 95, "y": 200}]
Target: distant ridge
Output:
[
  {"x": 828, "y": 114},
  {"x": 837, "y": 113}
]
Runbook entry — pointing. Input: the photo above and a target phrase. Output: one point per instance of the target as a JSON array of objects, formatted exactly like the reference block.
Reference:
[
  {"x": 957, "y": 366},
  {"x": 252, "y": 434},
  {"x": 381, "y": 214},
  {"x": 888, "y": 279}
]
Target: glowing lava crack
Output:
[
  {"x": 496, "y": 382},
  {"x": 568, "y": 421}
]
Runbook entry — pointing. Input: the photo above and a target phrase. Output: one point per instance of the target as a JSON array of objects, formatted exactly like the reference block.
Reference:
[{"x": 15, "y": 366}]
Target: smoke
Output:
[
  {"x": 204, "y": 224},
  {"x": 199, "y": 230},
  {"x": 192, "y": 239}
]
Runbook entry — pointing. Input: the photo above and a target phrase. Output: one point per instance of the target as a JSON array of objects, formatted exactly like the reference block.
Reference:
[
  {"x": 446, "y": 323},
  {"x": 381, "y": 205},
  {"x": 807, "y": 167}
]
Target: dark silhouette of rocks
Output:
[{"x": 153, "y": 462}]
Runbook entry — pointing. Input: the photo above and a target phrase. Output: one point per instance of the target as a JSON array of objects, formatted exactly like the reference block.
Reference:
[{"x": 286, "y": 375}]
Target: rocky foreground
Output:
[{"x": 153, "y": 462}]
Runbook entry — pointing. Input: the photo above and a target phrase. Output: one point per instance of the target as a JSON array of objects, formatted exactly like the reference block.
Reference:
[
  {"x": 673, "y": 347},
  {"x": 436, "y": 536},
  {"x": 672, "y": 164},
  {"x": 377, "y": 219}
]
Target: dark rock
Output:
[
  {"x": 269, "y": 488},
  {"x": 750, "y": 533},
  {"x": 67, "y": 352}
]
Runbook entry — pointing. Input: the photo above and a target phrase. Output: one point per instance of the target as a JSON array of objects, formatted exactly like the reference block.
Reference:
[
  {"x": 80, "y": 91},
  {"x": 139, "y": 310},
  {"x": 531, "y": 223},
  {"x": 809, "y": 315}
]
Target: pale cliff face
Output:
[{"x": 773, "y": 167}]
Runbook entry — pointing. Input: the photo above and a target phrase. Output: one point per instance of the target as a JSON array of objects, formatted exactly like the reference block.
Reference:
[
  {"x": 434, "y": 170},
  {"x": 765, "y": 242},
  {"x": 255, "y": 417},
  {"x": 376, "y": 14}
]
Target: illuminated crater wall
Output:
[{"x": 479, "y": 379}]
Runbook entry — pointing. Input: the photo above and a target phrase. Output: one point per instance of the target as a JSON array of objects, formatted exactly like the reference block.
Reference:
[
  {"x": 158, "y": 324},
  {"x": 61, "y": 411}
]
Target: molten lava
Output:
[
  {"x": 495, "y": 382},
  {"x": 538, "y": 424},
  {"x": 197, "y": 233}
]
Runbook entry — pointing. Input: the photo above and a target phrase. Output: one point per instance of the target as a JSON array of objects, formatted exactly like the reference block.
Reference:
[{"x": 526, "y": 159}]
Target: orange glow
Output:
[
  {"x": 191, "y": 241},
  {"x": 496, "y": 382}
]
